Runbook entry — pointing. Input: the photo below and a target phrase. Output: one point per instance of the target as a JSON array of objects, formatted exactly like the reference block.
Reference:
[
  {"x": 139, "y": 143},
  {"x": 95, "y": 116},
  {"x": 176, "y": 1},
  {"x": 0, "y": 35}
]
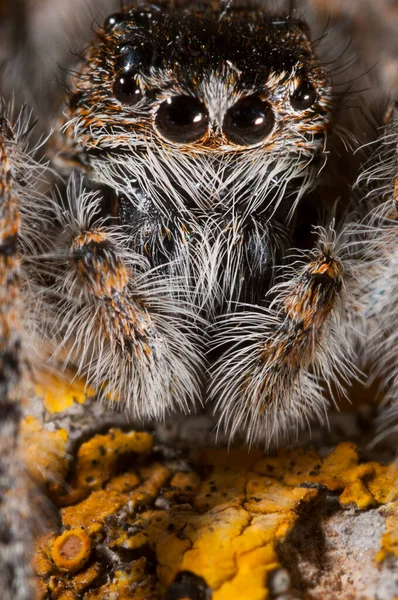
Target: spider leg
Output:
[
  {"x": 126, "y": 332},
  {"x": 266, "y": 382},
  {"x": 15, "y": 572},
  {"x": 380, "y": 279}
]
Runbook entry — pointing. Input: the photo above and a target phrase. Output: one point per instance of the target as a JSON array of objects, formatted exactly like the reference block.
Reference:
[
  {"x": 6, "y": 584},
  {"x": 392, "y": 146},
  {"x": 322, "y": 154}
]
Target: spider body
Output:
[
  {"x": 182, "y": 258},
  {"x": 203, "y": 157}
]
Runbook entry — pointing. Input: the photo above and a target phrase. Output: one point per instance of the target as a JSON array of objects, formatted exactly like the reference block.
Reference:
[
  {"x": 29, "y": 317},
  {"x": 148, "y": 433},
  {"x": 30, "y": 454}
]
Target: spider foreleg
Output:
[
  {"x": 379, "y": 282},
  {"x": 128, "y": 333},
  {"x": 267, "y": 382},
  {"x": 106, "y": 278}
]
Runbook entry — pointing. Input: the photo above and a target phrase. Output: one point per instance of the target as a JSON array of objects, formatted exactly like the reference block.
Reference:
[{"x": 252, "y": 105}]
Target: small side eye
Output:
[
  {"x": 303, "y": 96},
  {"x": 113, "y": 21},
  {"x": 249, "y": 121},
  {"x": 126, "y": 89},
  {"x": 182, "y": 119}
]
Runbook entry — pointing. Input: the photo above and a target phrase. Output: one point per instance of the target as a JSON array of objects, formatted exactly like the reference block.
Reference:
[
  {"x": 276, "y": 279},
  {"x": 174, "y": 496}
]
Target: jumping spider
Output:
[{"x": 191, "y": 253}]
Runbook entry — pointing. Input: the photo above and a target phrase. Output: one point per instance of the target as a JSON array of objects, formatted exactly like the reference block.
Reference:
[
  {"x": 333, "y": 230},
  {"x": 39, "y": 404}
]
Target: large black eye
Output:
[
  {"x": 182, "y": 119},
  {"x": 249, "y": 121},
  {"x": 303, "y": 96},
  {"x": 126, "y": 89}
]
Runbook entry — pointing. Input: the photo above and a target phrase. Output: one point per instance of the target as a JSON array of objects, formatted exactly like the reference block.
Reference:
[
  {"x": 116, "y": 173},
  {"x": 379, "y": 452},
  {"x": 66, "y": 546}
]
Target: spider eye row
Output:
[{"x": 184, "y": 119}]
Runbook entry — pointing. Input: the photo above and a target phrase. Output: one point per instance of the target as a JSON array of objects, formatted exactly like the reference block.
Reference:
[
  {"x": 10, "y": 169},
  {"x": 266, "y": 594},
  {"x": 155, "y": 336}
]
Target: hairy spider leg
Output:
[
  {"x": 134, "y": 341},
  {"x": 15, "y": 570},
  {"x": 380, "y": 281},
  {"x": 267, "y": 380}
]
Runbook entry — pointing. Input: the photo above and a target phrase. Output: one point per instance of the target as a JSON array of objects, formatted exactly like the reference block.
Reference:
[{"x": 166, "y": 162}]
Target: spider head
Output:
[
  {"x": 200, "y": 111},
  {"x": 201, "y": 81},
  {"x": 201, "y": 124}
]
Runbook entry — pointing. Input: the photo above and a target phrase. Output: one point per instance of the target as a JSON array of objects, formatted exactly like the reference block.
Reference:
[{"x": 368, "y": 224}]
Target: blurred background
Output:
[{"x": 41, "y": 39}]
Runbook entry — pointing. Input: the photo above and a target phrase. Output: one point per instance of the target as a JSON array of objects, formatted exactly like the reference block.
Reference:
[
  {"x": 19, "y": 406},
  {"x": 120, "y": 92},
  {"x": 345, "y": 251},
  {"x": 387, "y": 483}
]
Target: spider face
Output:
[
  {"x": 203, "y": 83},
  {"x": 202, "y": 127}
]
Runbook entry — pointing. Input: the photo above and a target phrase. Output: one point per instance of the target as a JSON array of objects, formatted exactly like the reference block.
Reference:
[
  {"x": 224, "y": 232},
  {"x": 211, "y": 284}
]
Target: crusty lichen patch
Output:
[
  {"x": 60, "y": 393},
  {"x": 71, "y": 550},
  {"x": 97, "y": 459},
  {"x": 144, "y": 522}
]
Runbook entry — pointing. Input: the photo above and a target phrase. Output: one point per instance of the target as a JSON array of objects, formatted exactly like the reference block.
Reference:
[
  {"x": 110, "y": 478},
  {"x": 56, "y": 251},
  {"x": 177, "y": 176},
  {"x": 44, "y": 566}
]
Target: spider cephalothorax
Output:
[{"x": 202, "y": 125}]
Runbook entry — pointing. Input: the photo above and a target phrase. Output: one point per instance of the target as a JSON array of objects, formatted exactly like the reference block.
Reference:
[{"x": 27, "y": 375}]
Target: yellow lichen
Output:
[
  {"x": 339, "y": 471},
  {"x": 43, "y": 563},
  {"x": 97, "y": 459},
  {"x": 71, "y": 550},
  {"x": 389, "y": 542},
  {"x": 132, "y": 584},
  {"x": 221, "y": 520},
  {"x": 384, "y": 483},
  {"x": 60, "y": 393},
  {"x": 91, "y": 513}
]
